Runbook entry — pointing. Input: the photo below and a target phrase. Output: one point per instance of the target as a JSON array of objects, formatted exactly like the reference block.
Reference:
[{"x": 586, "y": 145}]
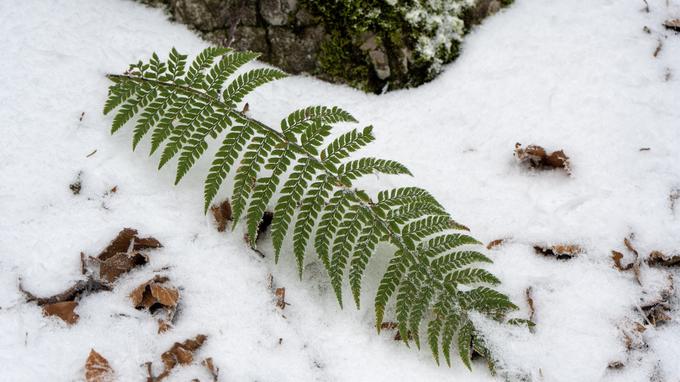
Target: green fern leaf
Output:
[
  {"x": 184, "y": 107},
  {"x": 246, "y": 175},
  {"x": 345, "y": 144},
  {"x": 226, "y": 156},
  {"x": 329, "y": 224},
  {"x": 388, "y": 284},
  {"x": 291, "y": 196},
  {"x": 368, "y": 240},
  {"x": 247, "y": 82},
  {"x": 279, "y": 161},
  {"x": 309, "y": 211},
  {"x": 298, "y": 119}
]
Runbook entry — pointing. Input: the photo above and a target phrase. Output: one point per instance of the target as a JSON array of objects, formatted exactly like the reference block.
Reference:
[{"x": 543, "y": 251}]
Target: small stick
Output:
[{"x": 91, "y": 154}]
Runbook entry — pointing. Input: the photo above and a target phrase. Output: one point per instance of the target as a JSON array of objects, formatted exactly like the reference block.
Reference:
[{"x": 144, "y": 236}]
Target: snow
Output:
[{"x": 577, "y": 75}]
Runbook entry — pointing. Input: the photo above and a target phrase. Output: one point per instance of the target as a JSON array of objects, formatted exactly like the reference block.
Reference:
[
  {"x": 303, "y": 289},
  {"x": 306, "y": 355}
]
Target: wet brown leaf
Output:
[
  {"x": 537, "y": 157},
  {"x": 222, "y": 214},
  {"x": 559, "y": 251},
  {"x": 97, "y": 368},
  {"x": 64, "y": 310}
]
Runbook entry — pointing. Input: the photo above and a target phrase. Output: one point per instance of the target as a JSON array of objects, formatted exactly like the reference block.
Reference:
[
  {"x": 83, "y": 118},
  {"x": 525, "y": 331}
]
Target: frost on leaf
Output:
[{"x": 97, "y": 368}]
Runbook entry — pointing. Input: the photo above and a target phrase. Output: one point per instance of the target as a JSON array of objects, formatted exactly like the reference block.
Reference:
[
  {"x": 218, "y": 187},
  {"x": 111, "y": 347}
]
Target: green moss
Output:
[{"x": 349, "y": 21}]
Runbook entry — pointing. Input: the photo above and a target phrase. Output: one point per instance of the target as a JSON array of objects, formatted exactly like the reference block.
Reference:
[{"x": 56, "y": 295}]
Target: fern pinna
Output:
[{"x": 430, "y": 276}]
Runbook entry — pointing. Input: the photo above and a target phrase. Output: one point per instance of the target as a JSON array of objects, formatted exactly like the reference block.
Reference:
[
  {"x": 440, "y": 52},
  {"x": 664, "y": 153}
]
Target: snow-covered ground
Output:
[{"x": 577, "y": 75}]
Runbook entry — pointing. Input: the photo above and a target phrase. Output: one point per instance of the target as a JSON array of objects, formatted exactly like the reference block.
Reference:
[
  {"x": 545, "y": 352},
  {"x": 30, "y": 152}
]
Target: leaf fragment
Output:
[{"x": 97, "y": 368}]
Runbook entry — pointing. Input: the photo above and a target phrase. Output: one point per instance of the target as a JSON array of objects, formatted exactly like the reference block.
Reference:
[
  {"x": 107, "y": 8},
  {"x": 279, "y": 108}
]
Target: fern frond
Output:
[
  {"x": 226, "y": 156},
  {"x": 291, "y": 197},
  {"x": 264, "y": 189},
  {"x": 256, "y": 154},
  {"x": 298, "y": 119},
  {"x": 346, "y": 144},
  {"x": 247, "y": 82},
  {"x": 432, "y": 277},
  {"x": 352, "y": 170}
]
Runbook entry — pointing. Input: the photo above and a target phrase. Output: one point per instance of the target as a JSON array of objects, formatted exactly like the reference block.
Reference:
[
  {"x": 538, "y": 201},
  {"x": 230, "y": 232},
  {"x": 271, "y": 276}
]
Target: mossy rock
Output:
[{"x": 373, "y": 45}]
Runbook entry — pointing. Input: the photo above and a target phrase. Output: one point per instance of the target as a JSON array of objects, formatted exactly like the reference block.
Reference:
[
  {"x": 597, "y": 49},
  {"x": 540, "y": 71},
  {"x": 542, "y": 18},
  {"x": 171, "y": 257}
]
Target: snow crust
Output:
[{"x": 577, "y": 75}]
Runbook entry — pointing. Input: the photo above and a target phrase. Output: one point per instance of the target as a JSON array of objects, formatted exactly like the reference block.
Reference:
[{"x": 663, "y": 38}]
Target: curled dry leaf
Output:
[
  {"x": 659, "y": 258},
  {"x": 672, "y": 24},
  {"x": 280, "y": 294},
  {"x": 97, "y": 368},
  {"x": 222, "y": 214},
  {"x": 536, "y": 157},
  {"x": 179, "y": 354},
  {"x": 617, "y": 256},
  {"x": 157, "y": 295},
  {"x": 212, "y": 369},
  {"x": 64, "y": 310},
  {"x": 530, "y": 302},
  {"x": 123, "y": 254},
  {"x": 127, "y": 241},
  {"x": 559, "y": 251}
]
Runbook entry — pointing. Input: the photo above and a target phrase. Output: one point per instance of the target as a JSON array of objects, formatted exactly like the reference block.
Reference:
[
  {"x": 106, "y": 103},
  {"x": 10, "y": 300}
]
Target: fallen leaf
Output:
[
  {"x": 673, "y": 24},
  {"x": 280, "y": 298},
  {"x": 530, "y": 301},
  {"x": 179, "y": 354},
  {"x": 615, "y": 365},
  {"x": 90, "y": 285},
  {"x": 536, "y": 157},
  {"x": 97, "y": 368},
  {"x": 222, "y": 214},
  {"x": 214, "y": 371},
  {"x": 127, "y": 241},
  {"x": 64, "y": 310},
  {"x": 115, "y": 266},
  {"x": 658, "y": 258},
  {"x": 617, "y": 256},
  {"x": 495, "y": 243},
  {"x": 157, "y": 295},
  {"x": 559, "y": 251}
]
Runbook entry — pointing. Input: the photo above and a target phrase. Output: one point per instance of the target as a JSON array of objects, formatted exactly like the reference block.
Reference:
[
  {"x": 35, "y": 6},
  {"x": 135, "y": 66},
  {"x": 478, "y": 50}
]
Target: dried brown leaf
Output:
[
  {"x": 64, "y": 310},
  {"x": 559, "y": 251},
  {"x": 180, "y": 353},
  {"x": 672, "y": 24},
  {"x": 495, "y": 243},
  {"x": 537, "y": 157},
  {"x": 119, "y": 264},
  {"x": 127, "y": 241},
  {"x": 97, "y": 368},
  {"x": 212, "y": 369},
  {"x": 165, "y": 294},
  {"x": 659, "y": 258},
  {"x": 222, "y": 214},
  {"x": 280, "y": 298}
]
